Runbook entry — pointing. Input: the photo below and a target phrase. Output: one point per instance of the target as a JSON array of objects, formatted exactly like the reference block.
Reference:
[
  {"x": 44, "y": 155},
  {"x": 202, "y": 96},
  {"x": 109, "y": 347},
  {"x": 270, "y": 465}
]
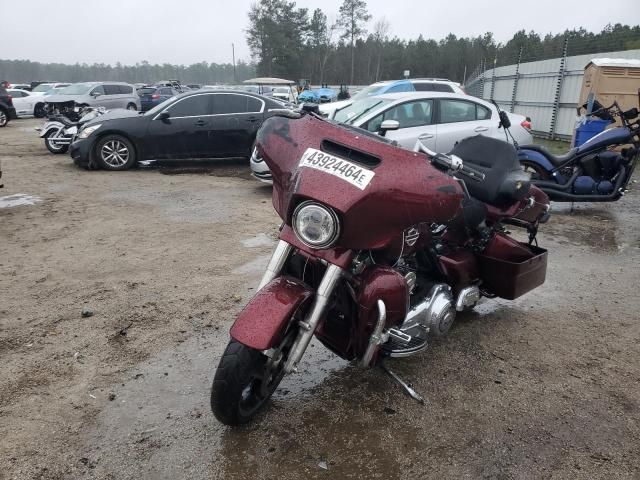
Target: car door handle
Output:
[
  {"x": 200, "y": 123},
  {"x": 481, "y": 129},
  {"x": 252, "y": 119},
  {"x": 425, "y": 136}
]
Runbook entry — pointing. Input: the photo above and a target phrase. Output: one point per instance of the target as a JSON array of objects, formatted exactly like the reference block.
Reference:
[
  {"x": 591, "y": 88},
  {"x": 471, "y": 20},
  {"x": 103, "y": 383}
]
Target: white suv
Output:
[{"x": 394, "y": 86}]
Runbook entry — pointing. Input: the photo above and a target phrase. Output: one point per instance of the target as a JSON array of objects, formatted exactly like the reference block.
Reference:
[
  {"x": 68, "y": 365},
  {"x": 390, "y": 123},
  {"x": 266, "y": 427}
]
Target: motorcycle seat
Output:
[
  {"x": 556, "y": 160},
  {"x": 65, "y": 121},
  {"x": 505, "y": 181}
]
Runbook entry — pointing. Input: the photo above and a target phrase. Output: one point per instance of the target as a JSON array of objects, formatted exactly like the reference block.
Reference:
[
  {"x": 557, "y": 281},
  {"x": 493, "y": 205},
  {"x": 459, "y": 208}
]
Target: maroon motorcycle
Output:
[{"x": 379, "y": 248}]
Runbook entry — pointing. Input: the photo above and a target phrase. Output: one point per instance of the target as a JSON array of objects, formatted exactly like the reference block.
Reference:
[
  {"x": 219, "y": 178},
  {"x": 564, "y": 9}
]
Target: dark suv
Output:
[{"x": 7, "y": 110}]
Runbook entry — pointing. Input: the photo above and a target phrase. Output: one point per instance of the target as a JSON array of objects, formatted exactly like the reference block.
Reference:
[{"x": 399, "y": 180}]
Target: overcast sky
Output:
[{"x": 190, "y": 31}]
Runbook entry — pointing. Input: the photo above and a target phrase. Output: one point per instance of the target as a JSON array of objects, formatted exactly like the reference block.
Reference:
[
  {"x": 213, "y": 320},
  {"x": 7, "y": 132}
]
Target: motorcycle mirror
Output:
[
  {"x": 631, "y": 114},
  {"x": 310, "y": 108},
  {"x": 388, "y": 125},
  {"x": 504, "y": 120}
]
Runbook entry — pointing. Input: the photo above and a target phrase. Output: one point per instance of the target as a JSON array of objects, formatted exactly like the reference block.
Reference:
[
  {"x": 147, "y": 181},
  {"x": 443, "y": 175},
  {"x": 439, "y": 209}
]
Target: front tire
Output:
[
  {"x": 51, "y": 145},
  {"x": 115, "y": 152},
  {"x": 39, "y": 111},
  {"x": 246, "y": 379}
]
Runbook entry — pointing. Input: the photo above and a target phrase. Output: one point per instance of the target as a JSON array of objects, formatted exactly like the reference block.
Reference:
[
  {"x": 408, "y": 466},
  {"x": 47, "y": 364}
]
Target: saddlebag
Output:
[{"x": 509, "y": 268}]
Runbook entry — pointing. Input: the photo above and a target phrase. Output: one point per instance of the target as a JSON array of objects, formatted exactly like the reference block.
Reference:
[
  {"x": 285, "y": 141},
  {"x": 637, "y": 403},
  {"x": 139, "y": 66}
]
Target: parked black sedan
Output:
[{"x": 193, "y": 125}]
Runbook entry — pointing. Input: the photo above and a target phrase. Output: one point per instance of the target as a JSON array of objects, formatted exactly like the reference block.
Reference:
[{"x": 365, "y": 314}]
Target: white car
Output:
[
  {"x": 23, "y": 101},
  {"x": 438, "y": 120},
  {"x": 394, "y": 86}
]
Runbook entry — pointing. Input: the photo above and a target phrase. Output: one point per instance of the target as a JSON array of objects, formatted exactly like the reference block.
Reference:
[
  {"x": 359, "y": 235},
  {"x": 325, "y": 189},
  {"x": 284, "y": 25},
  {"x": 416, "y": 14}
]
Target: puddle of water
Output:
[
  {"x": 257, "y": 265},
  {"x": 260, "y": 240},
  {"x": 18, "y": 200}
]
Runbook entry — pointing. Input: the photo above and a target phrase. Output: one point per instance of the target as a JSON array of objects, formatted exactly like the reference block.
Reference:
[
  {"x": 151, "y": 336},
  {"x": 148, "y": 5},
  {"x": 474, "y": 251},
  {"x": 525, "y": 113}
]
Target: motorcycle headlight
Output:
[
  {"x": 316, "y": 225},
  {"x": 89, "y": 130}
]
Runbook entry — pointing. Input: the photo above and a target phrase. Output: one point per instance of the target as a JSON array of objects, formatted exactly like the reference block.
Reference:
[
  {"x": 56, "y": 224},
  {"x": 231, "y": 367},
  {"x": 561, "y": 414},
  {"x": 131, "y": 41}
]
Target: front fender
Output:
[
  {"x": 50, "y": 126},
  {"x": 262, "y": 322}
]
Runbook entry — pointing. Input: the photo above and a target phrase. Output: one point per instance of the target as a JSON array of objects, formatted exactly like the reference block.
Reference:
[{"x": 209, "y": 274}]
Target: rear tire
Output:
[
  {"x": 536, "y": 172},
  {"x": 4, "y": 118},
  {"x": 52, "y": 148},
  {"x": 246, "y": 379},
  {"x": 132, "y": 106},
  {"x": 115, "y": 152},
  {"x": 39, "y": 111}
]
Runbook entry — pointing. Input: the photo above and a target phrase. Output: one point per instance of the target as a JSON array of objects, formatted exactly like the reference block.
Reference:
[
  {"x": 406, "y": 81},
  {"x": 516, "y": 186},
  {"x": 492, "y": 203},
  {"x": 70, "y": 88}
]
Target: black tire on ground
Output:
[
  {"x": 132, "y": 106},
  {"x": 238, "y": 393},
  {"x": 4, "y": 117},
  {"x": 39, "y": 111},
  {"x": 51, "y": 148},
  {"x": 115, "y": 152}
]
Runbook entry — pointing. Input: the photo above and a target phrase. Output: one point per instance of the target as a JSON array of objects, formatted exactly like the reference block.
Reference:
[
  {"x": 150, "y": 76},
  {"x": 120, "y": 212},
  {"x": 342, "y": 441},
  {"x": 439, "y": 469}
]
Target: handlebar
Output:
[{"x": 451, "y": 163}]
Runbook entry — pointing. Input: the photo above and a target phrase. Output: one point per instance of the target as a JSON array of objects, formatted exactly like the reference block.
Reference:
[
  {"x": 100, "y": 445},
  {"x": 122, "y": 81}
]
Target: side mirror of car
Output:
[
  {"x": 388, "y": 125},
  {"x": 504, "y": 120},
  {"x": 95, "y": 94},
  {"x": 164, "y": 116}
]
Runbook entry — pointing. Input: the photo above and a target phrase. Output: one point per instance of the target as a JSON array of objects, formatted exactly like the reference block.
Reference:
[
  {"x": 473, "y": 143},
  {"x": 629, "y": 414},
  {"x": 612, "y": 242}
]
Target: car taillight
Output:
[
  {"x": 155, "y": 96},
  {"x": 526, "y": 124}
]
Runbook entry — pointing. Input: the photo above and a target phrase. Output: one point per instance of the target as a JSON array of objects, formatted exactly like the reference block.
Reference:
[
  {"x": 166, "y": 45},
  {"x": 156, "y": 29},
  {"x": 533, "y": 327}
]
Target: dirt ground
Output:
[{"x": 547, "y": 386}]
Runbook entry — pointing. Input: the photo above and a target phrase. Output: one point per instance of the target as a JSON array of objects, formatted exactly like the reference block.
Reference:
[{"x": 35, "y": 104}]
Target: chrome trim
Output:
[
  {"x": 377, "y": 338},
  {"x": 333, "y": 215},
  {"x": 467, "y": 297},
  {"x": 310, "y": 323},
  {"x": 277, "y": 261}
]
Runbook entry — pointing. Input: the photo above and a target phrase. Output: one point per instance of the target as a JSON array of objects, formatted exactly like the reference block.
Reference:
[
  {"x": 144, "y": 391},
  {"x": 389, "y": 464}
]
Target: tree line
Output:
[
  {"x": 294, "y": 43},
  {"x": 21, "y": 71}
]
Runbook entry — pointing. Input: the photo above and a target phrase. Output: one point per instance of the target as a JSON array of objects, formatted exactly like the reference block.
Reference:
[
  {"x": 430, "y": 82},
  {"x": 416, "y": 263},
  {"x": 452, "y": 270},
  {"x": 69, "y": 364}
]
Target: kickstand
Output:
[{"x": 407, "y": 387}]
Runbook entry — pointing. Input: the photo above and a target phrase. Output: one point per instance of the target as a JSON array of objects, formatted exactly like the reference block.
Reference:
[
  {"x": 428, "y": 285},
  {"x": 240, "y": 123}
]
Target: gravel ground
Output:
[{"x": 547, "y": 386}]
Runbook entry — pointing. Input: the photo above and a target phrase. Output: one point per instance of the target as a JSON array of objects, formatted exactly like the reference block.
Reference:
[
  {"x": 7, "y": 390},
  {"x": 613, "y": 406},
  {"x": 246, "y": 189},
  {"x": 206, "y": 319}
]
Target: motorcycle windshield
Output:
[{"x": 377, "y": 189}]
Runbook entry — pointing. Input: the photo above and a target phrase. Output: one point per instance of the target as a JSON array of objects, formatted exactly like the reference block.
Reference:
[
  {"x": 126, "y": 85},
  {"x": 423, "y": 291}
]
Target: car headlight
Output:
[
  {"x": 89, "y": 130},
  {"x": 316, "y": 225},
  {"x": 255, "y": 156}
]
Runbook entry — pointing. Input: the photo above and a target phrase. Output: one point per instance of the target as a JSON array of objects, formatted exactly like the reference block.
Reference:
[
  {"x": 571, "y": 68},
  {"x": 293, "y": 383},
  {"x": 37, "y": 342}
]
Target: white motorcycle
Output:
[{"x": 59, "y": 131}]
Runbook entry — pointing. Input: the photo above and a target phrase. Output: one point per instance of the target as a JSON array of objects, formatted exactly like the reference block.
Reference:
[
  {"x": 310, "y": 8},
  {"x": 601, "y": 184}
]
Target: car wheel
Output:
[
  {"x": 132, "y": 106},
  {"x": 4, "y": 118},
  {"x": 52, "y": 146},
  {"x": 115, "y": 152},
  {"x": 39, "y": 111}
]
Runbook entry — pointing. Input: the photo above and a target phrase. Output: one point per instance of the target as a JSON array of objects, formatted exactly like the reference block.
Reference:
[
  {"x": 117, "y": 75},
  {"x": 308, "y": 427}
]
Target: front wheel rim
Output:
[
  {"x": 3, "y": 118},
  {"x": 115, "y": 153}
]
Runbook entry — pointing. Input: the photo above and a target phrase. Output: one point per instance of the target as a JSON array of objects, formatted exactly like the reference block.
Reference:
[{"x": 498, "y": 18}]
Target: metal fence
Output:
[{"x": 547, "y": 91}]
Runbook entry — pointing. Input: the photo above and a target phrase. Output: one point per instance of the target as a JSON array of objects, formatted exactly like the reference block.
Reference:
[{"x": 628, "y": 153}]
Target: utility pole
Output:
[{"x": 233, "y": 55}]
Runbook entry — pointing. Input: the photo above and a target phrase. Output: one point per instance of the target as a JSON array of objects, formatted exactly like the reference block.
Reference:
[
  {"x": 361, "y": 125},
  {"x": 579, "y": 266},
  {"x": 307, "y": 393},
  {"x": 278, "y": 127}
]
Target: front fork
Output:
[{"x": 323, "y": 293}]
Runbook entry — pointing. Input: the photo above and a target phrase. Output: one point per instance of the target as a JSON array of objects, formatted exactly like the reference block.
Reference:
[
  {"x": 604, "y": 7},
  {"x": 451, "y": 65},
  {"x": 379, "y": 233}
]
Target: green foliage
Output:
[{"x": 203, "y": 73}]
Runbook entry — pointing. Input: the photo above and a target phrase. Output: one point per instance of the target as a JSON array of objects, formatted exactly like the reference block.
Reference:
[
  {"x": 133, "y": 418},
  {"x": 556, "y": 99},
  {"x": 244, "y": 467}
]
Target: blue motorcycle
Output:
[{"x": 592, "y": 172}]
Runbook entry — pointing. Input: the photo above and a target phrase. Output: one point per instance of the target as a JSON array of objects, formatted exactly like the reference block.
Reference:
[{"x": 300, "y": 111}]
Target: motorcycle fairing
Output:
[
  {"x": 405, "y": 191},
  {"x": 265, "y": 318}
]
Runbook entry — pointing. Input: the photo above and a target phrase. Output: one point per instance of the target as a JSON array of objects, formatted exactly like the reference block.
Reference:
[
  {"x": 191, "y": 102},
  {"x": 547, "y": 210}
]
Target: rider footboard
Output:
[{"x": 509, "y": 269}]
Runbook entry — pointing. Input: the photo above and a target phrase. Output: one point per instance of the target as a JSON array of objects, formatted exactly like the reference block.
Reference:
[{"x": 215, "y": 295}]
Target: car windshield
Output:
[
  {"x": 76, "y": 89},
  {"x": 358, "y": 109},
  {"x": 281, "y": 90},
  {"x": 147, "y": 90},
  {"x": 367, "y": 91},
  {"x": 43, "y": 87},
  {"x": 53, "y": 91}
]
